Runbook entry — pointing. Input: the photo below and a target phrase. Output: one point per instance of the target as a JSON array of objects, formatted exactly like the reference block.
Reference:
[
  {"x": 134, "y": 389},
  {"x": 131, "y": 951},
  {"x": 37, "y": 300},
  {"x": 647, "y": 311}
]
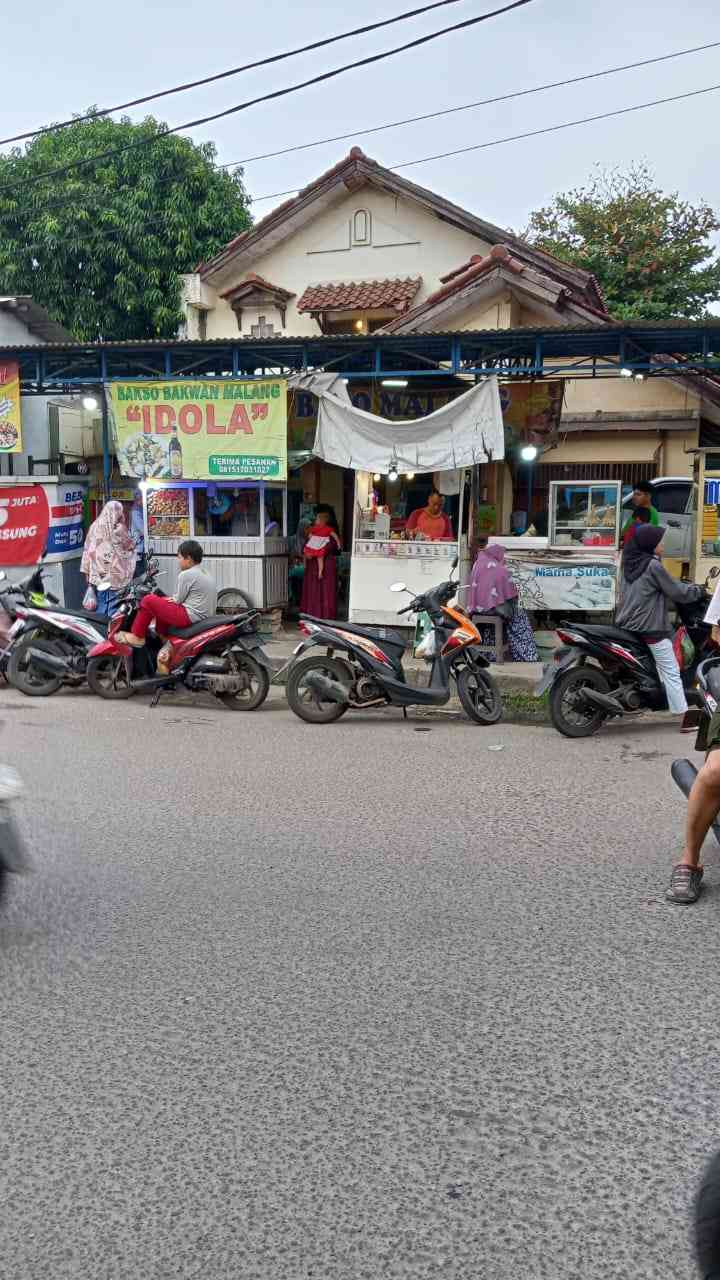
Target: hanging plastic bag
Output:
[
  {"x": 683, "y": 648},
  {"x": 90, "y": 599}
]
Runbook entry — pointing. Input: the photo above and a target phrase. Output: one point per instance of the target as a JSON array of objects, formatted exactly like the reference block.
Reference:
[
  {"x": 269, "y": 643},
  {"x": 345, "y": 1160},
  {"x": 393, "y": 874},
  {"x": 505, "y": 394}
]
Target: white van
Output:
[{"x": 675, "y": 500}]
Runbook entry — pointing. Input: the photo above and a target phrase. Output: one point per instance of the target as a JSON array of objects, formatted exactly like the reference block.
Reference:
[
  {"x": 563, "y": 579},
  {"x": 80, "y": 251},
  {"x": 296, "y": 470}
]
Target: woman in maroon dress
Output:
[{"x": 319, "y": 589}]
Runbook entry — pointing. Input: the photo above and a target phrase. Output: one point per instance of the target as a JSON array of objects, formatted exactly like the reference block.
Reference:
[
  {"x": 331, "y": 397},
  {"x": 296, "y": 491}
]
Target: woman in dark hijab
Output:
[{"x": 647, "y": 591}]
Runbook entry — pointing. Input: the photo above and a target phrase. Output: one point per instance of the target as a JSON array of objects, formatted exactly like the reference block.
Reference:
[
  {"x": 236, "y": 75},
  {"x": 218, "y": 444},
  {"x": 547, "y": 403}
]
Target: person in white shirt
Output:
[{"x": 704, "y": 800}]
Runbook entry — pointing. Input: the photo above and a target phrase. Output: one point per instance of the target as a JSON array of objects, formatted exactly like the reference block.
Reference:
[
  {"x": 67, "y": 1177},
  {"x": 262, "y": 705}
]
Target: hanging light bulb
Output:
[
  {"x": 90, "y": 403},
  {"x": 377, "y": 477},
  {"x": 392, "y": 473},
  {"x": 409, "y": 475}
]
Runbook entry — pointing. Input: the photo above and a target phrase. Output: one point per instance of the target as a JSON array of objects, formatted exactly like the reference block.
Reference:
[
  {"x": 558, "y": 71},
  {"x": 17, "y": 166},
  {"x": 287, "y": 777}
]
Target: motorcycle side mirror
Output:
[
  {"x": 398, "y": 586},
  {"x": 454, "y": 564},
  {"x": 3, "y": 575}
]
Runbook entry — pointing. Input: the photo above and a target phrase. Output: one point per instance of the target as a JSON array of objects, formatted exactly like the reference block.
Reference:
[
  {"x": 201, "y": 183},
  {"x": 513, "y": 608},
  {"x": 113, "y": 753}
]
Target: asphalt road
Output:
[{"x": 349, "y": 1002}]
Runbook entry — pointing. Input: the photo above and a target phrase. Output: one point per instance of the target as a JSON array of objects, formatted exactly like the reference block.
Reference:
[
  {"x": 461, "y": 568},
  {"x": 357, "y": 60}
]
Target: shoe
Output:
[
  {"x": 685, "y": 884},
  {"x": 127, "y": 637}
]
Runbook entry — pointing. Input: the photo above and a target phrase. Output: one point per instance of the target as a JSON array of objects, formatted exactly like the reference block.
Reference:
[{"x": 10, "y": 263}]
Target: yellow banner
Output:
[
  {"x": 10, "y": 424},
  {"x": 206, "y": 430}
]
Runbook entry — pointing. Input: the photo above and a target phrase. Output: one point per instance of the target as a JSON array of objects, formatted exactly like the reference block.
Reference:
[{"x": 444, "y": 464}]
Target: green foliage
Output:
[
  {"x": 103, "y": 247},
  {"x": 651, "y": 252}
]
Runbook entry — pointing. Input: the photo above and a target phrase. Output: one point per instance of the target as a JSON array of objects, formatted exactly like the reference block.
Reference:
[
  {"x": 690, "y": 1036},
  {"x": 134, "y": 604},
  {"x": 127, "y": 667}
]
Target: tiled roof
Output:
[
  {"x": 360, "y": 295},
  {"x": 253, "y": 283},
  {"x": 513, "y": 262},
  {"x": 353, "y": 171}
]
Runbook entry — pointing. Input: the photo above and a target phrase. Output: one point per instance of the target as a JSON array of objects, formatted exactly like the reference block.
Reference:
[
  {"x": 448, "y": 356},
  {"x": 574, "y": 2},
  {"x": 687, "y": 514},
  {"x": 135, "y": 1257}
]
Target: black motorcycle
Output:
[
  {"x": 362, "y": 666},
  {"x": 600, "y": 672}
]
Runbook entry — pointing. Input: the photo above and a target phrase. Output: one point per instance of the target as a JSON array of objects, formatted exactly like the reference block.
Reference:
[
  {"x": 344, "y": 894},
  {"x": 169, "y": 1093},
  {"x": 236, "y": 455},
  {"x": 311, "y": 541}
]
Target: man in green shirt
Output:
[{"x": 642, "y": 497}]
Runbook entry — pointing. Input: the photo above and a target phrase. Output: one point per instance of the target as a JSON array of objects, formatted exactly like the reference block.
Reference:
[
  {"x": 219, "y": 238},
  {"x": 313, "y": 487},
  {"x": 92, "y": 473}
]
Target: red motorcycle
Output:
[{"x": 220, "y": 655}]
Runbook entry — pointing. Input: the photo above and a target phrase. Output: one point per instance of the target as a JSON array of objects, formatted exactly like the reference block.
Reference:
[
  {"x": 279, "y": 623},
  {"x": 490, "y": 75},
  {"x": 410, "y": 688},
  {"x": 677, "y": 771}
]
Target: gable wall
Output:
[{"x": 406, "y": 241}]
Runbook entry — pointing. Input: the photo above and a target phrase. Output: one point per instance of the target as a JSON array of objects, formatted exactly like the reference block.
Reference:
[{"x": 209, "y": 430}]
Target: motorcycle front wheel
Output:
[
  {"x": 255, "y": 686},
  {"x": 479, "y": 696},
  {"x": 569, "y": 716},
  {"x": 108, "y": 678},
  {"x": 25, "y": 676}
]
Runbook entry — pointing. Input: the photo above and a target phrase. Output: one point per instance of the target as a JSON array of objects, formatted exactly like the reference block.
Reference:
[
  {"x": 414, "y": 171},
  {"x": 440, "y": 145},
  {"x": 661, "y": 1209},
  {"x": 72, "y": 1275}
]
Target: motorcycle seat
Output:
[
  {"x": 381, "y": 635},
  {"x": 205, "y": 624},
  {"x": 605, "y": 632}
]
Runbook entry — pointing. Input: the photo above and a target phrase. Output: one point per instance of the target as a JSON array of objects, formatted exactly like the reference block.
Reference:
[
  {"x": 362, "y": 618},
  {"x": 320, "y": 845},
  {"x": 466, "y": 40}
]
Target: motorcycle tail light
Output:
[
  {"x": 455, "y": 641},
  {"x": 305, "y": 629}
]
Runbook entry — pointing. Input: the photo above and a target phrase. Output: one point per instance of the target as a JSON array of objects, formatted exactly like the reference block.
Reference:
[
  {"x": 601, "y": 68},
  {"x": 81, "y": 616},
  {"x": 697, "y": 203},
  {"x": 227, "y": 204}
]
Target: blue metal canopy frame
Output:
[{"x": 654, "y": 349}]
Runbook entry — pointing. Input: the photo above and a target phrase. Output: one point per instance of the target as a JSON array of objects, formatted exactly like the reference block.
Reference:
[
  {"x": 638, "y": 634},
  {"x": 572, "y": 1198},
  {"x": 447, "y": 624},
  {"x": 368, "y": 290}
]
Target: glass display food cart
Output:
[
  {"x": 575, "y": 568},
  {"x": 240, "y": 525}
]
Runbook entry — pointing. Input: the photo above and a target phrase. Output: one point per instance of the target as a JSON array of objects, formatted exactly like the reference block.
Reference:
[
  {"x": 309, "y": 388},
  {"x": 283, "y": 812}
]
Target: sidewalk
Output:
[{"x": 518, "y": 677}]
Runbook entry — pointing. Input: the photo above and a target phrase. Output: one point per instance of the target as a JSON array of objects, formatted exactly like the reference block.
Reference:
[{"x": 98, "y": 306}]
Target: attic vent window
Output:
[{"x": 361, "y": 227}]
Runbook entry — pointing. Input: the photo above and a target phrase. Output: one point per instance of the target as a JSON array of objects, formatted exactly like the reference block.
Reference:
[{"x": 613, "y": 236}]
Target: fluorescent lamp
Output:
[{"x": 393, "y": 382}]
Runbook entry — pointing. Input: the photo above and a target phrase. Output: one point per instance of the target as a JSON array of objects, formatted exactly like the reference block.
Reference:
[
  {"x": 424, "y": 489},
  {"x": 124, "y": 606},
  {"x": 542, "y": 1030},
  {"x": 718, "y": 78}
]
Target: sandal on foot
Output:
[{"x": 685, "y": 883}]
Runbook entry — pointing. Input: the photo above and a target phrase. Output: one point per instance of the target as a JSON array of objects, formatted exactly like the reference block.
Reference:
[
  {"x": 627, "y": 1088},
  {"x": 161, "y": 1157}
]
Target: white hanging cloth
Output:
[{"x": 462, "y": 433}]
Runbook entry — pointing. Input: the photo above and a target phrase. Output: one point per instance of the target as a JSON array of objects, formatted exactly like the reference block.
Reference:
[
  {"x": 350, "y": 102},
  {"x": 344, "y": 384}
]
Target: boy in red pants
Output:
[{"x": 194, "y": 600}]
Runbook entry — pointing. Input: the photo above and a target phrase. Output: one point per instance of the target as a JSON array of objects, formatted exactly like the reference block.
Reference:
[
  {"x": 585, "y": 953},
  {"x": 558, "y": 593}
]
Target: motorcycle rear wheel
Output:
[
  {"x": 25, "y": 676},
  {"x": 304, "y": 701},
  {"x": 479, "y": 696},
  {"x": 569, "y": 720},
  {"x": 107, "y": 677},
  {"x": 256, "y": 687}
]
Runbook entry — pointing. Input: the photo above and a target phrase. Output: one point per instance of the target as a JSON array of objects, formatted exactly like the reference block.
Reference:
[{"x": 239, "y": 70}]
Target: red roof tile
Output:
[{"x": 360, "y": 295}]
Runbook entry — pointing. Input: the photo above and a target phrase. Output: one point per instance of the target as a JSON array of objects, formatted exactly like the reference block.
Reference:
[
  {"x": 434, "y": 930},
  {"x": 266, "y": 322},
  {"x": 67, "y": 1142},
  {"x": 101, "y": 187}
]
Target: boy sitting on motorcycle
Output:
[{"x": 194, "y": 600}]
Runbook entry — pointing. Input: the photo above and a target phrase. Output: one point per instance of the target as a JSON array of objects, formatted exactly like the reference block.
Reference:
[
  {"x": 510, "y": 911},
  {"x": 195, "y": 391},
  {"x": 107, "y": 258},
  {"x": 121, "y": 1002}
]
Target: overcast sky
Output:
[{"x": 61, "y": 56}]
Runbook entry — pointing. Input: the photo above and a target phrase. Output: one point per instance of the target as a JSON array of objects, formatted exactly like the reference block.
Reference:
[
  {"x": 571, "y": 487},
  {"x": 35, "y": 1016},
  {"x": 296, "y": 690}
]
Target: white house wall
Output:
[{"x": 406, "y": 241}]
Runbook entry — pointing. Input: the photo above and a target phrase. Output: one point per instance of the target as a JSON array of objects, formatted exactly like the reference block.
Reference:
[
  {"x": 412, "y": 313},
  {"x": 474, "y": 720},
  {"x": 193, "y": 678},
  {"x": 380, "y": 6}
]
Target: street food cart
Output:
[
  {"x": 241, "y": 527},
  {"x": 382, "y": 553},
  {"x": 211, "y": 461},
  {"x": 575, "y": 568}
]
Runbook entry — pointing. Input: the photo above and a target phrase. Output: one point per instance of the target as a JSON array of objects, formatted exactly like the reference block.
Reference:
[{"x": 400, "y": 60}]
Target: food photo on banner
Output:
[
  {"x": 10, "y": 424},
  {"x": 184, "y": 430}
]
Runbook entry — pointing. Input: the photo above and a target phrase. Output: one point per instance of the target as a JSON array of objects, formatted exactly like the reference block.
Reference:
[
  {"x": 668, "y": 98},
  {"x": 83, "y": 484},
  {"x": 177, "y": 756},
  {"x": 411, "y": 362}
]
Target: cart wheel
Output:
[{"x": 231, "y": 600}]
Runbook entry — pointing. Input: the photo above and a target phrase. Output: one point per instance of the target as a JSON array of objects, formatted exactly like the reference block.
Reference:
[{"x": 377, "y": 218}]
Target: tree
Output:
[
  {"x": 650, "y": 252},
  {"x": 103, "y": 246}
]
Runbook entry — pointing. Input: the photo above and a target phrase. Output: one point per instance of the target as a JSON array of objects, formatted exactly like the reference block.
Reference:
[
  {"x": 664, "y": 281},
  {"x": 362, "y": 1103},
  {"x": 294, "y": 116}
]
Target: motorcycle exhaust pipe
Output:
[
  {"x": 48, "y": 662},
  {"x": 603, "y": 700},
  {"x": 684, "y": 774},
  {"x": 332, "y": 690}
]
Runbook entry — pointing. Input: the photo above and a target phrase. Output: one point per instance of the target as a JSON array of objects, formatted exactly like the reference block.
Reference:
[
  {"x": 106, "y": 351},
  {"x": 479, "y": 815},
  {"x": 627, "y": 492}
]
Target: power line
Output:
[
  {"x": 433, "y": 115},
  {"x": 266, "y": 97},
  {"x": 518, "y": 137},
  {"x": 483, "y": 102},
  {"x": 233, "y": 71},
  {"x": 570, "y": 124}
]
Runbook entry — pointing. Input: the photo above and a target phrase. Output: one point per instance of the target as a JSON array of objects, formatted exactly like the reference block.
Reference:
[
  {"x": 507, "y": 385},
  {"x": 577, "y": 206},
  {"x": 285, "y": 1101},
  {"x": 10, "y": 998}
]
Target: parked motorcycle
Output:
[
  {"x": 221, "y": 655},
  {"x": 601, "y": 672},
  {"x": 369, "y": 672},
  {"x": 13, "y": 858},
  {"x": 15, "y": 599}
]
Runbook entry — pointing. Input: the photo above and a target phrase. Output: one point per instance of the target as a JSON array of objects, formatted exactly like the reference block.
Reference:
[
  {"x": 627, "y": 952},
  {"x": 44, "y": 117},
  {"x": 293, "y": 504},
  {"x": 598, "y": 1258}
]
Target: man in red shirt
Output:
[{"x": 431, "y": 520}]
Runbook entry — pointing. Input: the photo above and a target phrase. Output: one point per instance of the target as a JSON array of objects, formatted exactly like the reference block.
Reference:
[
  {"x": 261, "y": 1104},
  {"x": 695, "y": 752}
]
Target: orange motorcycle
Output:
[{"x": 362, "y": 666}]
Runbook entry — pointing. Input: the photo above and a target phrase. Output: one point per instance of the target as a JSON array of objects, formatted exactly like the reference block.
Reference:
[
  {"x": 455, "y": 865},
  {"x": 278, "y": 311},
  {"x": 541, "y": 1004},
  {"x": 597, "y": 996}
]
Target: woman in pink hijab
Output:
[
  {"x": 492, "y": 586},
  {"x": 108, "y": 559}
]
